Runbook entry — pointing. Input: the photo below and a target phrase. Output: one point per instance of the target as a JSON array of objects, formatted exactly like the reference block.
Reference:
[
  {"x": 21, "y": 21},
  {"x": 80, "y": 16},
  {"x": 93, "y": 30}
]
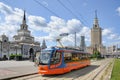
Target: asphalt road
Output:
[
  {"x": 86, "y": 73},
  {"x": 12, "y": 63}
]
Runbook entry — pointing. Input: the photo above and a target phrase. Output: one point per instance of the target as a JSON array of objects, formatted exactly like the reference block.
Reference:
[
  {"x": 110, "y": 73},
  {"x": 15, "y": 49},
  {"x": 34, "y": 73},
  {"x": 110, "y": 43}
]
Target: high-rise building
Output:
[
  {"x": 96, "y": 33},
  {"x": 96, "y": 38},
  {"x": 82, "y": 43}
]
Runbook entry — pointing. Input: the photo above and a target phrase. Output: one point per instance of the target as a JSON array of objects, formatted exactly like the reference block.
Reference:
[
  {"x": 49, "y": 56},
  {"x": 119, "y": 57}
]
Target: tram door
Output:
[{"x": 56, "y": 60}]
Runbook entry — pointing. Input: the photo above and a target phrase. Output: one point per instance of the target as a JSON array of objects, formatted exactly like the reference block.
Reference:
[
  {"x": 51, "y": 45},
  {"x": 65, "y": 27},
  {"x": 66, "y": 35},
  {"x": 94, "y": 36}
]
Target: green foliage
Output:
[
  {"x": 96, "y": 54},
  {"x": 19, "y": 55},
  {"x": 116, "y": 70},
  {"x": 13, "y": 56}
]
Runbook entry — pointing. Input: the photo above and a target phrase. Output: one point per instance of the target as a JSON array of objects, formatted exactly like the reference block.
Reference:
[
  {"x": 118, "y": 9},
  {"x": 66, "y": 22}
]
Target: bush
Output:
[
  {"x": 12, "y": 56},
  {"x": 16, "y": 57},
  {"x": 96, "y": 54}
]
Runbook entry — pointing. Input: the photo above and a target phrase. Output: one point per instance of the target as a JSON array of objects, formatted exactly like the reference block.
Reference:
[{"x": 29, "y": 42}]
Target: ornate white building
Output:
[{"x": 22, "y": 44}]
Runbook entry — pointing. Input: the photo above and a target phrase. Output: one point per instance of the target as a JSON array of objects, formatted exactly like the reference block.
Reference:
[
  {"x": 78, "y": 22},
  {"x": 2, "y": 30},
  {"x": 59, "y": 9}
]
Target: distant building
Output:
[
  {"x": 96, "y": 38},
  {"x": 111, "y": 49},
  {"x": 22, "y": 44},
  {"x": 4, "y": 46},
  {"x": 44, "y": 45},
  {"x": 82, "y": 43}
]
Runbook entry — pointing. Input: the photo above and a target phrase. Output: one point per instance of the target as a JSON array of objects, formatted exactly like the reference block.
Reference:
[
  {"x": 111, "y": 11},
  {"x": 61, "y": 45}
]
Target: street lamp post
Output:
[
  {"x": 16, "y": 52},
  {"x": 32, "y": 53},
  {"x": 22, "y": 53},
  {"x": 1, "y": 49},
  {"x": 8, "y": 50}
]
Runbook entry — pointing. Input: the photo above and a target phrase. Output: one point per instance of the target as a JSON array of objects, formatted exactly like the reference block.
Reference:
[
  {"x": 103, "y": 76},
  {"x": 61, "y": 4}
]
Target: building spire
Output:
[
  {"x": 96, "y": 14},
  {"x": 24, "y": 26},
  {"x": 24, "y": 18},
  {"x": 96, "y": 24}
]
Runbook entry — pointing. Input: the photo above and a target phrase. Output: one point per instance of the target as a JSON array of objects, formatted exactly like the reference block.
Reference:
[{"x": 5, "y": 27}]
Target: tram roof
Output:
[{"x": 66, "y": 49}]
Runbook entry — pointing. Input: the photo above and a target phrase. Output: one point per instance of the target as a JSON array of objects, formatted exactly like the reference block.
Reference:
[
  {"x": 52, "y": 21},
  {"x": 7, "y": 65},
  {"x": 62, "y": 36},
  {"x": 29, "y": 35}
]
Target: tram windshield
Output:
[{"x": 45, "y": 57}]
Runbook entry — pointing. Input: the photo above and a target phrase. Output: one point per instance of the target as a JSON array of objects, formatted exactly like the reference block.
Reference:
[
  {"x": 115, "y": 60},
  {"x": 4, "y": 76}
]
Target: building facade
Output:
[
  {"x": 96, "y": 38},
  {"x": 23, "y": 43}
]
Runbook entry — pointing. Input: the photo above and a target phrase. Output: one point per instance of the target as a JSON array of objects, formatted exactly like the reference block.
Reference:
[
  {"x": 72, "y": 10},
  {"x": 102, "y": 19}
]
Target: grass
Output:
[{"x": 116, "y": 70}]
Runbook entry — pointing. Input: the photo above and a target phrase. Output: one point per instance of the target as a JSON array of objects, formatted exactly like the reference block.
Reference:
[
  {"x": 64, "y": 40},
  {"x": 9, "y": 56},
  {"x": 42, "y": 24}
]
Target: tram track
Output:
[
  {"x": 102, "y": 70},
  {"x": 95, "y": 73}
]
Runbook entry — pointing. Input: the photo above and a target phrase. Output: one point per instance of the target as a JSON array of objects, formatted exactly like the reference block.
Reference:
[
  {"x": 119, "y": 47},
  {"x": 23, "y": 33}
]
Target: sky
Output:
[{"x": 47, "y": 19}]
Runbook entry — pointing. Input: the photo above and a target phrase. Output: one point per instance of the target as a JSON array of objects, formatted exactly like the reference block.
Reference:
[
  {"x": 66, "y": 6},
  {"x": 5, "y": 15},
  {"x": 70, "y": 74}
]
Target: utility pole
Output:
[{"x": 1, "y": 49}]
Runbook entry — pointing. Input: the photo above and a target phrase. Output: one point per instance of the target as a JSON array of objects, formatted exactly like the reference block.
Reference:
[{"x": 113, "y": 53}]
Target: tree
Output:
[{"x": 96, "y": 54}]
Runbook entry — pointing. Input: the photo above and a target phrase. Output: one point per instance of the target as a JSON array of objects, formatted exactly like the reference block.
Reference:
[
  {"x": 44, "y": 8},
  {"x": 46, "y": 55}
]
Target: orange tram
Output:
[{"x": 61, "y": 60}]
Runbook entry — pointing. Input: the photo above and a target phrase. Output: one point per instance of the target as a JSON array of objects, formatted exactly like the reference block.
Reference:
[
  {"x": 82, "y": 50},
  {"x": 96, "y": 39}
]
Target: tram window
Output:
[
  {"x": 84, "y": 56},
  {"x": 67, "y": 57},
  {"x": 55, "y": 58},
  {"x": 75, "y": 57},
  {"x": 80, "y": 56}
]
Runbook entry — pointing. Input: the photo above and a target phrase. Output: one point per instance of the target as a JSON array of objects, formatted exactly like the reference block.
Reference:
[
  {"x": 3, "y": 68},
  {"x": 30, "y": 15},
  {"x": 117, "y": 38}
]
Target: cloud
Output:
[
  {"x": 106, "y": 32},
  {"x": 118, "y": 10},
  {"x": 48, "y": 30},
  {"x": 110, "y": 35},
  {"x": 56, "y": 23},
  {"x": 37, "y": 22},
  {"x": 113, "y": 36},
  {"x": 7, "y": 10},
  {"x": 12, "y": 16},
  {"x": 10, "y": 19},
  {"x": 85, "y": 31},
  {"x": 74, "y": 25},
  {"x": 70, "y": 26}
]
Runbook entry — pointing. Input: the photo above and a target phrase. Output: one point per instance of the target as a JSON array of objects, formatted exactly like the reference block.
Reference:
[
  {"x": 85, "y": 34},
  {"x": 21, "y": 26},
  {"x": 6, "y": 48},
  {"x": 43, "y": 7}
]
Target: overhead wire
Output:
[
  {"x": 69, "y": 11},
  {"x": 54, "y": 12},
  {"x": 45, "y": 7},
  {"x": 63, "y": 6},
  {"x": 77, "y": 12}
]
